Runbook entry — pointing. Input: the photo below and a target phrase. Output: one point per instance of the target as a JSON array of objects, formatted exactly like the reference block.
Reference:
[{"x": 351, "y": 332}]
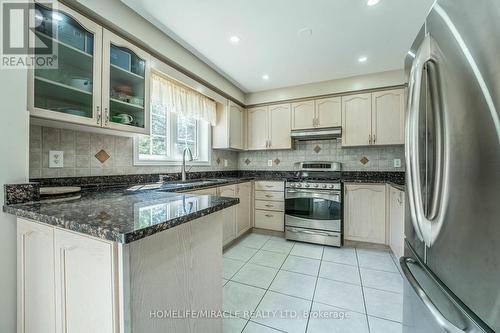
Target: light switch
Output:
[
  {"x": 397, "y": 163},
  {"x": 269, "y": 162},
  {"x": 56, "y": 159}
]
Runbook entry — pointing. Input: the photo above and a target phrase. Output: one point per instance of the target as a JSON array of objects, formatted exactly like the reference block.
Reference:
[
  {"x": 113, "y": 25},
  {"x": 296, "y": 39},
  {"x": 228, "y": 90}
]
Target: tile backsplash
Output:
[
  {"x": 352, "y": 159},
  {"x": 80, "y": 149}
]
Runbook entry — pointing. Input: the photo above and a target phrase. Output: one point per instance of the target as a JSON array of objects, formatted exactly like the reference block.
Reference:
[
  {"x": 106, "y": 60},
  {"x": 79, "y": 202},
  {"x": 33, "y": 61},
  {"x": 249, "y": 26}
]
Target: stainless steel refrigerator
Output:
[{"x": 452, "y": 221}]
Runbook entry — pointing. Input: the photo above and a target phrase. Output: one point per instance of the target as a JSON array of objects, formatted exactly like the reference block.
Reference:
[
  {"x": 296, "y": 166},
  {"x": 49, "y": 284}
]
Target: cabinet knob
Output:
[
  {"x": 98, "y": 115},
  {"x": 374, "y": 138},
  {"x": 106, "y": 120},
  {"x": 369, "y": 138}
]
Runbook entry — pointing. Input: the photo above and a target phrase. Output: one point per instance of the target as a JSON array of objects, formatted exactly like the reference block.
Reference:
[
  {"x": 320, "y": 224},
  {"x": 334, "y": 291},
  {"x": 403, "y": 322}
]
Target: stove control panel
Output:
[{"x": 319, "y": 186}]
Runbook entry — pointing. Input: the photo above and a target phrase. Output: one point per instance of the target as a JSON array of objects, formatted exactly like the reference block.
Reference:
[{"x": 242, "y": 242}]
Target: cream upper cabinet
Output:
[
  {"x": 125, "y": 84},
  {"x": 328, "y": 112},
  {"x": 303, "y": 115},
  {"x": 356, "y": 120},
  {"x": 236, "y": 126},
  {"x": 229, "y": 131},
  {"x": 85, "y": 275},
  {"x": 388, "y": 117},
  {"x": 257, "y": 128},
  {"x": 72, "y": 91},
  {"x": 35, "y": 277},
  {"x": 365, "y": 213},
  {"x": 102, "y": 80},
  {"x": 279, "y": 127}
]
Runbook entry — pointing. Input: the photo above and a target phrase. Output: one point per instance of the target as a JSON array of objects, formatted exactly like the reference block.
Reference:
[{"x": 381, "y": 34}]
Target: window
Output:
[{"x": 172, "y": 132}]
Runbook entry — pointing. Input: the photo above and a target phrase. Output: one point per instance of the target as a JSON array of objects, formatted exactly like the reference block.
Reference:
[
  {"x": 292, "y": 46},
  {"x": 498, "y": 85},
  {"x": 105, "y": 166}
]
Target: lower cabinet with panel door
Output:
[
  {"x": 365, "y": 213},
  {"x": 73, "y": 282},
  {"x": 66, "y": 281}
]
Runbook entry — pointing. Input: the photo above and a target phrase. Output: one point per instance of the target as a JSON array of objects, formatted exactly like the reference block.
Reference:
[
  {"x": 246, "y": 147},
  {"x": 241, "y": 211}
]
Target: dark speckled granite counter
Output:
[{"x": 120, "y": 215}]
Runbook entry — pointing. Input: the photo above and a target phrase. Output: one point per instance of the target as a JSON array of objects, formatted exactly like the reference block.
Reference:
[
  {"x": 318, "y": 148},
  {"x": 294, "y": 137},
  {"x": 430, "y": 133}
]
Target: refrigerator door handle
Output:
[
  {"x": 429, "y": 225},
  {"x": 414, "y": 93},
  {"x": 440, "y": 318}
]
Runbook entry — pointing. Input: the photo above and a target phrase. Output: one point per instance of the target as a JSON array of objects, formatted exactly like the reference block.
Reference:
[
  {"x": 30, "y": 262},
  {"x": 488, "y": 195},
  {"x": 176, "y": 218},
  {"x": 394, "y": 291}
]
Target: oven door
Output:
[{"x": 313, "y": 209}]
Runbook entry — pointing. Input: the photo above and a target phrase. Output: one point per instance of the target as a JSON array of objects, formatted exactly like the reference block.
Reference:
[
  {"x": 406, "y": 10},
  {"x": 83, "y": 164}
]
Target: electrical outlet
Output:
[
  {"x": 56, "y": 159},
  {"x": 397, "y": 163},
  {"x": 269, "y": 162},
  {"x": 225, "y": 163}
]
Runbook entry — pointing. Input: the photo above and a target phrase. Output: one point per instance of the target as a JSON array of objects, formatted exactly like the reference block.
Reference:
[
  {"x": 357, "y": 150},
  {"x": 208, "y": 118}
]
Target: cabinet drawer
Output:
[
  {"x": 270, "y": 205},
  {"x": 269, "y": 220},
  {"x": 269, "y": 186},
  {"x": 269, "y": 196}
]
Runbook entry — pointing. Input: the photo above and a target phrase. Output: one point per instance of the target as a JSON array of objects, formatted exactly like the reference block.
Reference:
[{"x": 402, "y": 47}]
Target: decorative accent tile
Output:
[
  {"x": 247, "y": 161},
  {"x": 364, "y": 160},
  {"x": 102, "y": 156},
  {"x": 277, "y": 161},
  {"x": 317, "y": 149},
  {"x": 218, "y": 160}
]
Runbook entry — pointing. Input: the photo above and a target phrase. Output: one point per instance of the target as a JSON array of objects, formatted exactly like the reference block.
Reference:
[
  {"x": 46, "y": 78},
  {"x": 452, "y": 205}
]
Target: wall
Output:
[
  {"x": 13, "y": 168},
  {"x": 369, "y": 81},
  {"x": 130, "y": 24},
  {"x": 379, "y": 158},
  {"x": 80, "y": 149}
]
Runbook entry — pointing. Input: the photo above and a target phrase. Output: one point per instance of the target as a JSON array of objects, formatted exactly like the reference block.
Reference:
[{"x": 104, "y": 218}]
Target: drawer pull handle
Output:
[
  {"x": 269, "y": 185},
  {"x": 269, "y": 206},
  {"x": 268, "y": 196},
  {"x": 269, "y": 215}
]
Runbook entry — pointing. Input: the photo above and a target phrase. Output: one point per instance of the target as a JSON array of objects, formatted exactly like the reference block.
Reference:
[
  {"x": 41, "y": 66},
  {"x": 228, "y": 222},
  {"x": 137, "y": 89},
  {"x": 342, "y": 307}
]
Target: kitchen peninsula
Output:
[{"x": 111, "y": 261}]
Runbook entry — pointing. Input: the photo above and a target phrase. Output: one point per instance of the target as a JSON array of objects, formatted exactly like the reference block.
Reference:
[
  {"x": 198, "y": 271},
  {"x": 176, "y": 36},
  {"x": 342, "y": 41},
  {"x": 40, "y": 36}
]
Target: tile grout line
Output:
[
  {"x": 362, "y": 291},
  {"x": 315, "y": 286},
  {"x": 267, "y": 289}
]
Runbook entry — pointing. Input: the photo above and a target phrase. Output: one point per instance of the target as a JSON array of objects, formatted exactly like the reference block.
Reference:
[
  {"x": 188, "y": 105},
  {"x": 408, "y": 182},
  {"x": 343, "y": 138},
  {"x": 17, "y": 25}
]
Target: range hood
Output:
[{"x": 317, "y": 133}]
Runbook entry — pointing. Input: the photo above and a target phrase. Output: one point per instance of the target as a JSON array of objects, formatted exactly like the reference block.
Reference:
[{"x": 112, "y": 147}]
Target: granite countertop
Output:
[{"x": 122, "y": 215}]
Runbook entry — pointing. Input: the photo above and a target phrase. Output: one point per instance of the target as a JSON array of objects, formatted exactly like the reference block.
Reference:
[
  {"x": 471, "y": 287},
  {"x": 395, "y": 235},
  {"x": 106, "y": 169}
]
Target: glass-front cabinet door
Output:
[
  {"x": 70, "y": 91},
  {"x": 125, "y": 96}
]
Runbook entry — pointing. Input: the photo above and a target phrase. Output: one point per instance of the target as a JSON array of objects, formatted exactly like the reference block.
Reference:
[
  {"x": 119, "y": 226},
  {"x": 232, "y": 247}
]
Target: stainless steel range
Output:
[{"x": 313, "y": 204}]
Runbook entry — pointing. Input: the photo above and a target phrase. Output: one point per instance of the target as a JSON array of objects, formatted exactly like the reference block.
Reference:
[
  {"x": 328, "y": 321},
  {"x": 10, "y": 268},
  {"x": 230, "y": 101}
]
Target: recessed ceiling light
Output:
[
  {"x": 265, "y": 77},
  {"x": 372, "y": 2},
  {"x": 362, "y": 59},
  {"x": 234, "y": 39},
  {"x": 305, "y": 32}
]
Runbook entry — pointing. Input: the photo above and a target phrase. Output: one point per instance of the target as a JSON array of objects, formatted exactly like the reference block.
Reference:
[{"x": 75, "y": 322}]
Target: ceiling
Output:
[{"x": 342, "y": 32}]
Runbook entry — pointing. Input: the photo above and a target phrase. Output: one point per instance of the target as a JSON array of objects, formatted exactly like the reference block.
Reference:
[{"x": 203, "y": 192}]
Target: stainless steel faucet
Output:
[{"x": 183, "y": 170}]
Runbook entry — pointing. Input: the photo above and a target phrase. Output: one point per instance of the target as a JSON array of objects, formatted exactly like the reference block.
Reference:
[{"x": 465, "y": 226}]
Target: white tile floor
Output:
[{"x": 274, "y": 285}]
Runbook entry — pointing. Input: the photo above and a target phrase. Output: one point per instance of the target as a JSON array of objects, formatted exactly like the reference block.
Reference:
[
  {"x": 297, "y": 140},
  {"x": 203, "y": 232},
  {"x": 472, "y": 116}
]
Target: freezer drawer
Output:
[
  {"x": 313, "y": 236},
  {"x": 429, "y": 306}
]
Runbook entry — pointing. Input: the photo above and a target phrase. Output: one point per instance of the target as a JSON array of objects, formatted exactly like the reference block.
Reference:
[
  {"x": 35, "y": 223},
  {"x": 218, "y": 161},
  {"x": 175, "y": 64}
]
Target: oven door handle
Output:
[
  {"x": 300, "y": 231},
  {"x": 312, "y": 195}
]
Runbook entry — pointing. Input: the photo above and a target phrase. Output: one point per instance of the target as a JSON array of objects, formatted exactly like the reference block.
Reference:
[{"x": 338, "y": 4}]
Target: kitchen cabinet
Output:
[
  {"x": 125, "y": 83},
  {"x": 229, "y": 222},
  {"x": 356, "y": 120},
  {"x": 66, "y": 281},
  {"x": 244, "y": 208},
  {"x": 269, "y": 205},
  {"x": 365, "y": 212},
  {"x": 388, "y": 117},
  {"x": 396, "y": 221},
  {"x": 328, "y": 112},
  {"x": 373, "y": 118},
  {"x": 257, "y": 128},
  {"x": 35, "y": 277},
  {"x": 85, "y": 284},
  {"x": 279, "y": 127},
  {"x": 303, "y": 115},
  {"x": 72, "y": 91},
  {"x": 230, "y": 129},
  {"x": 101, "y": 79},
  {"x": 269, "y": 127},
  {"x": 319, "y": 113}
]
